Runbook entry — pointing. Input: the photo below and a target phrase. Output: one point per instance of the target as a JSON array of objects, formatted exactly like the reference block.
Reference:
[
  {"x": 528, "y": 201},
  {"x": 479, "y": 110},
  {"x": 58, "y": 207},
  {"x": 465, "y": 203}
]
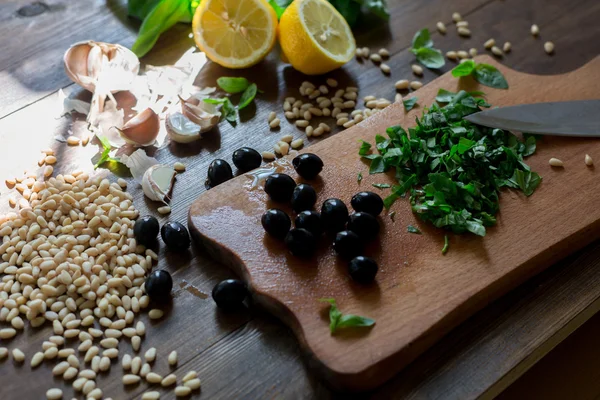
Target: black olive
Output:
[
  {"x": 146, "y": 230},
  {"x": 364, "y": 225},
  {"x": 368, "y": 202},
  {"x": 229, "y": 294},
  {"x": 301, "y": 242},
  {"x": 334, "y": 215},
  {"x": 304, "y": 197},
  {"x": 308, "y": 165},
  {"x": 311, "y": 221},
  {"x": 246, "y": 159},
  {"x": 280, "y": 187},
  {"x": 363, "y": 269},
  {"x": 347, "y": 244},
  {"x": 158, "y": 285},
  {"x": 219, "y": 171},
  {"x": 276, "y": 223},
  {"x": 175, "y": 236}
]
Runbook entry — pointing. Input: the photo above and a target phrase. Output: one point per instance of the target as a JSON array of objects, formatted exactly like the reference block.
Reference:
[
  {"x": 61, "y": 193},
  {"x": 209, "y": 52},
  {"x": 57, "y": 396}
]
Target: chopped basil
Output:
[
  {"x": 409, "y": 103},
  {"x": 364, "y": 148},
  {"x": 233, "y": 85},
  {"x": 382, "y": 185},
  {"x": 229, "y": 110},
  {"x": 413, "y": 229},
  {"x": 359, "y": 177},
  {"x": 338, "y": 320}
]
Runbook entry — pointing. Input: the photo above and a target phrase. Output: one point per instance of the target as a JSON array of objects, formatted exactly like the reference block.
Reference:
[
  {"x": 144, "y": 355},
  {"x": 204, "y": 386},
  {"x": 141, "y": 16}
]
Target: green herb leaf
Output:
[
  {"x": 359, "y": 177},
  {"x": 431, "y": 58},
  {"x": 279, "y": 6},
  {"x": 233, "y": 85},
  {"x": 444, "y": 96},
  {"x": 229, "y": 111},
  {"x": 527, "y": 181},
  {"x": 422, "y": 39},
  {"x": 530, "y": 145},
  {"x": 413, "y": 229},
  {"x": 489, "y": 75},
  {"x": 446, "y": 245},
  {"x": 377, "y": 165},
  {"x": 105, "y": 154},
  {"x": 338, "y": 320},
  {"x": 376, "y": 7},
  {"x": 349, "y": 9},
  {"x": 216, "y": 101},
  {"x": 382, "y": 185},
  {"x": 409, "y": 103},
  {"x": 163, "y": 16},
  {"x": 141, "y": 8},
  {"x": 248, "y": 96},
  {"x": 463, "y": 69},
  {"x": 365, "y": 148}
]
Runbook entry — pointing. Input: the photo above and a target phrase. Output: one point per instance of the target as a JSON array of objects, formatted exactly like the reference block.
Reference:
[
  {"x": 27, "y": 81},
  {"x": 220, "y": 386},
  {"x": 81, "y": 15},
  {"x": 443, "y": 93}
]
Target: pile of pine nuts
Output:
[{"x": 70, "y": 258}]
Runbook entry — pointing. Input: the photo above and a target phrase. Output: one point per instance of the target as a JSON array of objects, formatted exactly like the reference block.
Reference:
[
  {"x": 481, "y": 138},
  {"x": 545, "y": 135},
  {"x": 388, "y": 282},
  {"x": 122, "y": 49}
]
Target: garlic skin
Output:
[
  {"x": 157, "y": 182},
  {"x": 92, "y": 65},
  {"x": 200, "y": 113},
  {"x": 141, "y": 130},
  {"x": 181, "y": 130}
]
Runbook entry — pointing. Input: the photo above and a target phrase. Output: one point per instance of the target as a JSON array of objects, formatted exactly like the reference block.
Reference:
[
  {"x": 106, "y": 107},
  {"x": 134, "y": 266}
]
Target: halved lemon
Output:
[
  {"x": 314, "y": 37},
  {"x": 235, "y": 33}
]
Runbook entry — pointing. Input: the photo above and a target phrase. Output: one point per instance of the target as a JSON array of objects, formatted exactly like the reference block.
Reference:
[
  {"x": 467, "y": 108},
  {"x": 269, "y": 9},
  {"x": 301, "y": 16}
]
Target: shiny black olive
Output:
[
  {"x": 308, "y": 165},
  {"x": 364, "y": 225},
  {"x": 311, "y": 221},
  {"x": 280, "y": 187},
  {"x": 276, "y": 223},
  {"x": 158, "y": 285},
  {"x": 334, "y": 215},
  {"x": 363, "y": 269},
  {"x": 348, "y": 244},
  {"x": 219, "y": 171},
  {"x": 229, "y": 294},
  {"x": 246, "y": 159},
  {"x": 368, "y": 202},
  {"x": 304, "y": 197},
  {"x": 175, "y": 236},
  {"x": 146, "y": 230},
  {"x": 301, "y": 242}
]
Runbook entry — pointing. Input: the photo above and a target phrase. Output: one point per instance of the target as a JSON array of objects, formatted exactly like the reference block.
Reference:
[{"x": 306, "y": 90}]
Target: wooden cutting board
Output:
[{"x": 419, "y": 294}]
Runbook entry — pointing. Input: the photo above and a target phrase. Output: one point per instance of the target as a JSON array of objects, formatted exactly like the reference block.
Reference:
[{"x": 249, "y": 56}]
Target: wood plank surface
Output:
[{"x": 31, "y": 72}]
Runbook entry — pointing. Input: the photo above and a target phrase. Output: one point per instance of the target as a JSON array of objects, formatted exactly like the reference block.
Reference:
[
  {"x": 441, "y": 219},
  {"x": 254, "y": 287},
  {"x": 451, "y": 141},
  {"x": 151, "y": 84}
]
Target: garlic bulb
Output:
[
  {"x": 141, "y": 130},
  {"x": 200, "y": 113},
  {"x": 181, "y": 130},
  {"x": 93, "y": 65},
  {"x": 157, "y": 182}
]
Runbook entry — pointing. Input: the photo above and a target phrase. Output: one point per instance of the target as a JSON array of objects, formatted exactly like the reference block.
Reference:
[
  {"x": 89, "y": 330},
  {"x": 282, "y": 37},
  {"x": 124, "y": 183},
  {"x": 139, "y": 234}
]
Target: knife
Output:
[{"x": 567, "y": 118}]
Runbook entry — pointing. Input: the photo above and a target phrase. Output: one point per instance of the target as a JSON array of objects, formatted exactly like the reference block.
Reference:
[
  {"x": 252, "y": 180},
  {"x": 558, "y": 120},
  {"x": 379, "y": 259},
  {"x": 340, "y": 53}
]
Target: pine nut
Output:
[
  {"x": 462, "y": 24},
  {"x": 349, "y": 104},
  {"x": 398, "y": 98},
  {"x": 385, "y": 69},
  {"x": 73, "y": 141},
  {"x": 151, "y": 395},
  {"x": 506, "y": 47},
  {"x": 288, "y": 115},
  {"x": 473, "y": 52},
  {"x": 273, "y": 115},
  {"x": 452, "y": 55},
  {"x": 314, "y": 94},
  {"x": 136, "y": 341},
  {"x": 37, "y": 359},
  {"x": 462, "y": 54},
  {"x": 549, "y": 47},
  {"x": 381, "y": 104},
  {"x": 71, "y": 373},
  {"x": 417, "y": 69},
  {"x": 376, "y": 58},
  {"x": 323, "y": 89},
  {"x": 153, "y": 377},
  {"x": 400, "y": 85},
  {"x": 326, "y": 112},
  {"x": 384, "y": 53},
  {"x": 489, "y": 43},
  {"x": 50, "y": 160},
  {"x": 182, "y": 391},
  {"x": 155, "y": 314},
  {"x": 296, "y": 144},
  {"x": 416, "y": 85},
  {"x": 588, "y": 160},
  {"x": 555, "y": 162},
  {"x": 359, "y": 53},
  {"x": 318, "y": 131},
  {"x": 465, "y": 32},
  {"x": 130, "y": 379},
  {"x": 268, "y": 155},
  {"x": 302, "y": 123},
  {"x": 3, "y": 353},
  {"x": 315, "y": 111},
  {"x": 54, "y": 394},
  {"x": 366, "y": 51},
  {"x": 342, "y": 121},
  {"x": 497, "y": 51},
  {"x": 150, "y": 354},
  {"x": 349, "y": 124},
  {"x": 535, "y": 30},
  {"x": 332, "y": 82},
  {"x": 190, "y": 375},
  {"x": 456, "y": 17},
  {"x": 7, "y": 333},
  {"x": 60, "y": 368},
  {"x": 145, "y": 370},
  {"x": 441, "y": 27},
  {"x": 275, "y": 123},
  {"x": 193, "y": 384},
  {"x": 307, "y": 115},
  {"x": 168, "y": 380},
  {"x": 48, "y": 170},
  {"x": 95, "y": 394},
  {"x": 178, "y": 166}
]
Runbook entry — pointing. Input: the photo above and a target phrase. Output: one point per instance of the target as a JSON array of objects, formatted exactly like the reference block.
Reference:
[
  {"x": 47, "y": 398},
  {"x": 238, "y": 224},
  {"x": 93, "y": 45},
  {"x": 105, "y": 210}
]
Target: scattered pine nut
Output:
[
  {"x": 193, "y": 384},
  {"x": 190, "y": 375},
  {"x": 456, "y": 17},
  {"x": 130, "y": 379},
  {"x": 383, "y": 103},
  {"x": 376, "y": 58},
  {"x": 555, "y": 162},
  {"x": 400, "y": 85},
  {"x": 85, "y": 140},
  {"x": 398, "y": 98},
  {"x": 296, "y": 144},
  {"x": 318, "y": 131},
  {"x": 287, "y": 138},
  {"x": 326, "y": 112},
  {"x": 164, "y": 210},
  {"x": 3, "y": 353},
  {"x": 359, "y": 53},
  {"x": 7, "y": 333},
  {"x": 384, "y": 53},
  {"x": 349, "y": 124},
  {"x": 385, "y": 68},
  {"x": 172, "y": 358},
  {"x": 366, "y": 51},
  {"x": 37, "y": 359},
  {"x": 462, "y": 54},
  {"x": 301, "y": 123},
  {"x": 497, "y": 51},
  {"x": 473, "y": 52},
  {"x": 288, "y": 115},
  {"x": 506, "y": 47},
  {"x": 54, "y": 394},
  {"x": 314, "y": 94},
  {"x": 535, "y": 30},
  {"x": 323, "y": 89},
  {"x": 452, "y": 55},
  {"x": 462, "y": 24},
  {"x": 136, "y": 342},
  {"x": 417, "y": 69},
  {"x": 414, "y": 85},
  {"x": 154, "y": 395},
  {"x": 307, "y": 115},
  {"x": 268, "y": 155},
  {"x": 464, "y": 32},
  {"x": 73, "y": 141},
  {"x": 182, "y": 391},
  {"x": 588, "y": 160},
  {"x": 441, "y": 27},
  {"x": 275, "y": 123},
  {"x": 179, "y": 167},
  {"x": 168, "y": 380},
  {"x": 273, "y": 115},
  {"x": 155, "y": 313},
  {"x": 489, "y": 44},
  {"x": 549, "y": 47},
  {"x": 342, "y": 121},
  {"x": 18, "y": 355},
  {"x": 325, "y": 127},
  {"x": 48, "y": 171},
  {"x": 332, "y": 82},
  {"x": 50, "y": 160}
]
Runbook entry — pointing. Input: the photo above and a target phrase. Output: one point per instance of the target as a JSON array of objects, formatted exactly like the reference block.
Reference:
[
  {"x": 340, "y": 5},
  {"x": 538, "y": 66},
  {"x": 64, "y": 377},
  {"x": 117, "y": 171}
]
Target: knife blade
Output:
[{"x": 567, "y": 118}]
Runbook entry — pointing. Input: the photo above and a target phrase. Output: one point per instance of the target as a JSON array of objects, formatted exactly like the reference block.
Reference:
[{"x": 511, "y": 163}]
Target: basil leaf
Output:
[
  {"x": 141, "y": 8},
  {"x": 464, "y": 69},
  {"x": 365, "y": 147},
  {"x": 349, "y": 9},
  {"x": 376, "y": 7},
  {"x": 412, "y": 229},
  {"x": 229, "y": 110},
  {"x": 105, "y": 154},
  {"x": 446, "y": 245},
  {"x": 527, "y": 181},
  {"x": 359, "y": 177},
  {"x": 489, "y": 75},
  {"x": 339, "y": 320},
  {"x": 422, "y": 39},
  {"x": 431, "y": 58},
  {"x": 233, "y": 85},
  {"x": 215, "y": 101},
  {"x": 530, "y": 145},
  {"x": 248, "y": 96},
  {"x": 382, "y": 185},
  {"x": 377, "y": 165},
  {"x": 162, "y": 17},
  {"x": 279, "y": 6},
  {"x": 444, "y": 96},
  {"x": 409, "y": 103}
]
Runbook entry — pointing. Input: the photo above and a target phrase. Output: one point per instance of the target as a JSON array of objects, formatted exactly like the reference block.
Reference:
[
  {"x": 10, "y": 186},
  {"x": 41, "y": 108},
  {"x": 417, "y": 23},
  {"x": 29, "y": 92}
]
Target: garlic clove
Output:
[
  {"x": 141, "y": 130},
  {"x": 201, "y": 113},
  {"x": 158, "y": 181},
  {"x": 181, "y": 130}
]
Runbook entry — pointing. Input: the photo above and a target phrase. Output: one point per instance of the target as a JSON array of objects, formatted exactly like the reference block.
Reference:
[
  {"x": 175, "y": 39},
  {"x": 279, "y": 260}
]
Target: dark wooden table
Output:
[{"x": 250, "y": 354}]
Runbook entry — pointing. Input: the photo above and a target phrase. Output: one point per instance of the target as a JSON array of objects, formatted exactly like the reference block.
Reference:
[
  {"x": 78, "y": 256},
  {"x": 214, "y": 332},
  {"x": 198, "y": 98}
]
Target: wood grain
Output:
[
  {"x": 31, "y": 72},
  {"x": 419, "y": 294}
]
